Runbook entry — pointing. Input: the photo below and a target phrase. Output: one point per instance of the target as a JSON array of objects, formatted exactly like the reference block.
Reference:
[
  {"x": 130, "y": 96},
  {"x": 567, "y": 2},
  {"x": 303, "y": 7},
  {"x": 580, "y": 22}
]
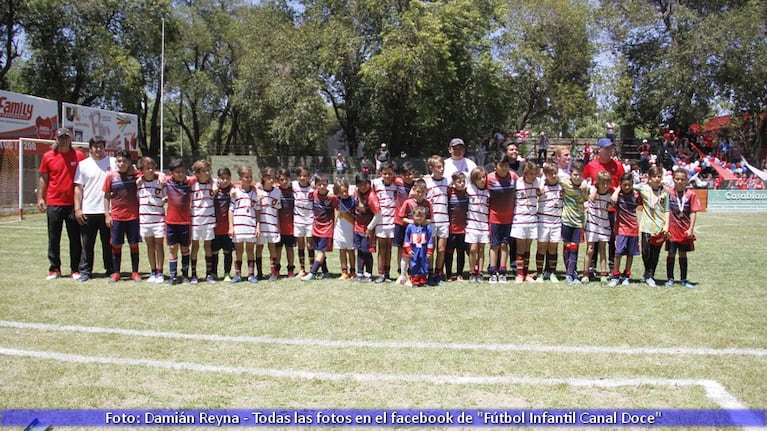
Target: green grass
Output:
[{"x": 725, "y": 310}]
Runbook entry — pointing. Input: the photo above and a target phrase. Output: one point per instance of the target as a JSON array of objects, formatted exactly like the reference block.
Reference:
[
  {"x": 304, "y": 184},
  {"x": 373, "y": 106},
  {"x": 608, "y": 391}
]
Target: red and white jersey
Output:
[
  {"x": 270, "y": 202},
  {"x": 550, "y": 204},
  {"x": 477, "y": 217},
  {"x": 387, "y": 199},
  {"x": 436, "y": 193},
  {"x": 597, "y": 216},
  {"x": 150, "y": 201},
  {"x": 303, "y": 209},
  {"x": 203, "y": 206},
  {"x": 526, "y": 203},
  {"x": 324, "y": 214},
  {"x": 244, "y": 211}
]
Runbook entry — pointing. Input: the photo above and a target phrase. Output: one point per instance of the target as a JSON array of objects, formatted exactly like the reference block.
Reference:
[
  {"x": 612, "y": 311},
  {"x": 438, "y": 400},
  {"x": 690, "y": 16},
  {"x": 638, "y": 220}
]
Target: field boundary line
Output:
[
  {"x": 494, "y": 347},
  {"x": 713, "y": 389}
]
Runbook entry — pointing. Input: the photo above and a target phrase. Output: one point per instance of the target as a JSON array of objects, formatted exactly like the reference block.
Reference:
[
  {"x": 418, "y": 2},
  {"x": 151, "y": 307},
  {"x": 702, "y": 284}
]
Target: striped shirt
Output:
[
  {"x": 150, "y": 200},
  {"x": 526, "y": 203},
  {"x": 244, "y": 211},
  {"x": 270, "y": 202},
  {"x": 597, "y": 215},
  {"x": 436, "y": 193},
  {"x": 477, "y": 216},
  {"x": 203, "y": 209},
  {"x": 303, "y": 211},
  {"x": 387, "y": 199},
  {"x": 550, "y": 205}
]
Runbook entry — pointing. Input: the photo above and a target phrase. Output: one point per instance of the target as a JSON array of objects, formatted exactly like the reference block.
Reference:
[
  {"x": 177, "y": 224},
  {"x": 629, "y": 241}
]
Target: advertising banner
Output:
[
  {"x": 23, "y": 116},
  {"x": 737, "y": 201},
  {"x": 119, "y": 129}
]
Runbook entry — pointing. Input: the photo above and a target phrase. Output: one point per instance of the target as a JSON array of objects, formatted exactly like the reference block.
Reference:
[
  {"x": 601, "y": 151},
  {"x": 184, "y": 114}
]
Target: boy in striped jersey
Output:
[
  {"x": 178, "y": 219},
  {"x": 121, "y": 213},
  {"x": 303, "y": 217},
  {"x": 343, "y": 233},
  {"x": 152, "y": 196},
  {"x": 270, "y": 202},
  {"x": 549, "y": 222},
  {"x": 387, "y": 193},
  {"x": 436, "y": 194},
  {"x": 477, "y": 225},
  {"x": 203, "y": 217},
  {"x": 598, "y": 224},
  {"x": 244, "y": 225},
  {"x": 524, "y": 228}
]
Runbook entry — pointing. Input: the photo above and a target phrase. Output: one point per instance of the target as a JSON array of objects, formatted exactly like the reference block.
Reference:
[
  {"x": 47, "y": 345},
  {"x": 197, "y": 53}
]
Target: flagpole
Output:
[{"x": 162, "y": 97}]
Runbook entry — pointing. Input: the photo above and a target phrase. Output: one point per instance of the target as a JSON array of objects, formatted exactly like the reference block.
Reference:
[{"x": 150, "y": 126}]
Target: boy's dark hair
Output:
[
  {"x": 577, "y": 166},
  {"x": 96, "y": 140},
  {"x": 406, "y": 167},
  {"x": 628, "y": 176},
  {"x": 386, "y": 164},
  {"x": 175, "y": 163},
  {"x": 362, "y": 178},
  {"x": 282, "y": 172},
  {"x": 224, "y": 171},
  {"x": 124, "y": 154},
  {"x": 302, "y": 170}
]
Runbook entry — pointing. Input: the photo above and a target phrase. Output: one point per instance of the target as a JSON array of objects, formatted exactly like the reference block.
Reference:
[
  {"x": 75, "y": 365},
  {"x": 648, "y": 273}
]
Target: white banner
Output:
[
  {"x": 23, "y": 116},
  {"x": 119, "y": 129}
]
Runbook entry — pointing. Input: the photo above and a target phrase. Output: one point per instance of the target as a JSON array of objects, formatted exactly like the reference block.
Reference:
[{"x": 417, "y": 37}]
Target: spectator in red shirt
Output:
[{"x": 56, "y": 197}]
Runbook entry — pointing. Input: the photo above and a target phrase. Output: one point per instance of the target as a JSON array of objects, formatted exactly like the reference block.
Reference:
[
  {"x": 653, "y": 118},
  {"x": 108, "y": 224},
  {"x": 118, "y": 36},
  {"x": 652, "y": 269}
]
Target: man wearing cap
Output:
[
  {"x": 89, "y": 206},
  {"x": 606, "y": 162},
  {"x": 56, "y": 197},
  {"x": 457, "y": 162},
  {"x": 382, "y": 155}
]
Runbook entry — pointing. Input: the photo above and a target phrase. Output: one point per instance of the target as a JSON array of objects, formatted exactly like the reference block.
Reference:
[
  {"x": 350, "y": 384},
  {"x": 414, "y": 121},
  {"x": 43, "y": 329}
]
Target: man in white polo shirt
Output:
[{"x": 457, "y": 162}]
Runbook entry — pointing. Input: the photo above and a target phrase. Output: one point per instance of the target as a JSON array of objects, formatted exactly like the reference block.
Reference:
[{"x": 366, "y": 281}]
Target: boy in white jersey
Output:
[
  {"x": 343, "y": 233},
  {"x": 151, "y": 200},
  {"x": 387, "y": 192},
  {"x": 270, "y": 202},
  {"x": 203, "y": 217},
  {"x": 550, "y": 206},
  {"x": 598, "y": 224},
  {"x": 477, "y": 222},
  {"x": 436, "y": 194},
  {"x": 243, "y": 223},
  {"x": 303, "y": 217},
  {"x": 524, "y": 227}
]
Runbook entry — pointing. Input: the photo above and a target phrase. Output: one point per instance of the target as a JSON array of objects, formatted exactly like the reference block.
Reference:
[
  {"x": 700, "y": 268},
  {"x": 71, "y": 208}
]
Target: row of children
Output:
[{"x": 426, "y": 219}]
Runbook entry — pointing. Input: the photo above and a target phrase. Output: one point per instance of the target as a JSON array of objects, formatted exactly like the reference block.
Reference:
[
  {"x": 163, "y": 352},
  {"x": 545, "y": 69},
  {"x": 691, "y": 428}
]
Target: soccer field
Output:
[{"x": 336, "y": 344}]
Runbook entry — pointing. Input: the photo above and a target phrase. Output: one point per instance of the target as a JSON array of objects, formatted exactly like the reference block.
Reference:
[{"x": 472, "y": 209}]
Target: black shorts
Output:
[
  {"x": 222, "y": 242},
  {"x": 178, "y": 234}
]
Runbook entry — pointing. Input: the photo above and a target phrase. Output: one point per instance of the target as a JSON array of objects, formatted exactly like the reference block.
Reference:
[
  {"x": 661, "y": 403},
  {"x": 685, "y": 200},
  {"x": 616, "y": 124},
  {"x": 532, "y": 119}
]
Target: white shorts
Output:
[
  {"x": 341, "y": 243},
  {"x": 268, "y": 238},
  {"x": 243, "y": 238},
  {"x": 477, "y": 237},
  {"x": 385, "y": 231},
  {"x": 302, "y": 231},
  {"x": 152, "y": 230},
  {"x": 205, "y": 232},
  {"x": 441, "y": 230},
  {"x": 597, "y": 237},
  {"x": 549, "y": 233},
  {"x": 524, "y": 231}
]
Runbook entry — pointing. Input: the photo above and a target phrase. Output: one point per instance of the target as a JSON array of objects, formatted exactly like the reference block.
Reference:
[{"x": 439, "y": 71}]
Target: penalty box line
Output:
[
  {"x": 309, "y": 342},
  {"x": 714, "y": 391}
]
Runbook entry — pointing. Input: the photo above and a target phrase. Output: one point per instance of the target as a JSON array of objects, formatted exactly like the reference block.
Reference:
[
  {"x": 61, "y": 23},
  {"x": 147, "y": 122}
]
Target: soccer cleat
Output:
[
  {"x": 114, "y": 278},
  {"x": 194, "y": 280},
  {"x": 274, "y": 277},
  {"x": 83, "y": 277},
  {"x": 603, "y": 280},
  {"x": 345, "y": 276},
  {"x": 650, "y": 282},
  {"x": 519, "y": 279},
  {"x": 585, "y": 279},
  {"x": 502, "y": 278},
  {"x": 75, "y": 275},
  {"x": 185, "y": 280},
  {"x": 534, "y": 279},
  {"x": 613, "y": 282},
  {"x": 53, "y": 275},
  {"x": 669, "y": 283},
  {"x": 472, "y": 278},
  {"x": 210, "y": 279},
  {"x": 227, "y": 278},
  {"x": 159, "y": 279},
  {"x": 152, "y": 278},
  {"x": 252, "y": 279},
  {"x": 493, "y": 279},
  {"x": 553, "y": 278},
  {"x": 686, "y": 284},
  {"x": 135, "y": 276},
  {"x": 236, "y": 279},
  {"x": 626, "y": 282},
  {"x": 308, "y": 277},
  {"x": 571, "y": 280},
  {"x": 301, "y": 274}
]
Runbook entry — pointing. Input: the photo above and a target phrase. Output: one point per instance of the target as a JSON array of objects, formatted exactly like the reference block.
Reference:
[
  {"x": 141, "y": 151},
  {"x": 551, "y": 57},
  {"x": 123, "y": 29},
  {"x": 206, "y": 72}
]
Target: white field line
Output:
[
  {"x": 309, "y": 342},
  {"x": 714, "y": 391}
]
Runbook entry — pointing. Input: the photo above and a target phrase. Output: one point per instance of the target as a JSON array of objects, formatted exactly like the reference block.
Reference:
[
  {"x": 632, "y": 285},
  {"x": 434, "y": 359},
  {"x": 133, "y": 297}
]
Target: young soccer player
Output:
[
  {"x": 324, "y": 207},
  {"x": 269, "y": 201},
  {"x": 576, "y": 190},
  {"x": 457, "y": 208},
  {"x": 419, "y": 246},
  {"x": 285, "y": 213},
  {"x": 652, "y": 221},
  {"x": 121, "y": 212},
  {"x": 151, "y": 198},
  {"x": 222, "y": 241},
  {"x": 598, "y": 225},
  {"x": 244, "y": 226},
  {"x": 343, "y": 233},
  {"x": 626, "y": 201},
  {"x": 405, "y": 182},
  {"x": 178, "y": 219},
  {"x": 368, "y": 217},
  {"x": 303, "y": 213},
  {"x": 477, "y": 225},
  {"x": 502, "y": 186},
  {"x": 387, "y": 193},
  {"x": 550, "y": 205},
  {"x": 405, "y": 217},
  {"x": 203, "y": 218},
  {"x": 681, "y": 214},
  {"x": 436, "y": 193},
  {"x": 524, "y": 228}
]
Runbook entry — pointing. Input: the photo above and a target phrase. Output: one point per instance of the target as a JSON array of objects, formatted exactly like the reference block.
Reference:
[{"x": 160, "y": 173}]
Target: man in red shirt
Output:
[
  {"x": 605, "y": 161},
  {"x": 56, "y": 197}
]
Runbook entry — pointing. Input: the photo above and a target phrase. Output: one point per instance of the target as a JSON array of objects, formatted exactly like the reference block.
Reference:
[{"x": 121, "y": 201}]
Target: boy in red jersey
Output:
[
  {"x": 285, "y": 214},
  {"x": 626, "y": 201},
  {"x": 681, "y": 213},
  {"x": 121, "y": 213},
  {"x": 222, "y": 240},
  {"x": 324, "y": 208},
  {"x": 368, "y": 217},
  {"x": 457, "y": 209},
  {"x": 178, "y": 218},
  {"x": 502, "y": 186}
]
